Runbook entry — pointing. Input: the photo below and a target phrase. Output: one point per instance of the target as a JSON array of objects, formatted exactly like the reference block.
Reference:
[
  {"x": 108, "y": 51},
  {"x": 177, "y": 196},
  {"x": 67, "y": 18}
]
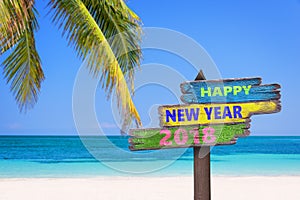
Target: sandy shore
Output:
[{"x": 137, "y": 188}]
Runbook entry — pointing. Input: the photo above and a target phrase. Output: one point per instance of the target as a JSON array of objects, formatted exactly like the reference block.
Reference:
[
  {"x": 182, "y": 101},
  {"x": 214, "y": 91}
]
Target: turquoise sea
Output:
[{"x": 67, "y": 156}]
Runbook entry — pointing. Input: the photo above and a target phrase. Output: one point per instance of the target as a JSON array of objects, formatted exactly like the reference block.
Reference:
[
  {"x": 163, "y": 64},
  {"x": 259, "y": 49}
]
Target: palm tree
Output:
[{"x": 104, "y": 33}]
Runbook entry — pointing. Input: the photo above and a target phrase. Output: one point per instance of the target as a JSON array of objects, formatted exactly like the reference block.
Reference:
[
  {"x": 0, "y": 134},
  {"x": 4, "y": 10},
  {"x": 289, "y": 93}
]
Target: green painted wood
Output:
[{"x": 150, "y": 139}]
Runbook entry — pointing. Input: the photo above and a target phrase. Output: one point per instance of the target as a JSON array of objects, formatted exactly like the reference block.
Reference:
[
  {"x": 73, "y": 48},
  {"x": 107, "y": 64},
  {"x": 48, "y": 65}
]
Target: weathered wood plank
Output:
[
  {"x": 256, "y": 93},
  {"x": 229, "y": 90},
  {"x": 186, "y": 87},
  {"x": 189, "y": 136},
  {"x": 205, "y": 114}
]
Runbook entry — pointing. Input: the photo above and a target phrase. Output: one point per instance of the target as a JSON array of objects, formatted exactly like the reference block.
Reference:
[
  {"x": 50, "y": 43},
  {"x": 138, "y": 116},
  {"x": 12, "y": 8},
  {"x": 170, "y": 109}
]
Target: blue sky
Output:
[{"x": 244, "y": 38}]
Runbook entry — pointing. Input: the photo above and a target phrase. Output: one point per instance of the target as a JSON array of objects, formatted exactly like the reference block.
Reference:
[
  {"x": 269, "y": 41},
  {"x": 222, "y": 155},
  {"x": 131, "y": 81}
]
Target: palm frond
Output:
[
  {"x": 22, "y": 67},
  {"x": 108, "y": 36},
  {"x": 13, "y": 18},
  {"x": 122, "y": 28}
]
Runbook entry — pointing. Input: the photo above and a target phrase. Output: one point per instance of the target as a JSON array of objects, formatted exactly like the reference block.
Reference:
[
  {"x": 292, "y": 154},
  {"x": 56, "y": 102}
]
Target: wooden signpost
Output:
[{"x": 216, "y": 112}]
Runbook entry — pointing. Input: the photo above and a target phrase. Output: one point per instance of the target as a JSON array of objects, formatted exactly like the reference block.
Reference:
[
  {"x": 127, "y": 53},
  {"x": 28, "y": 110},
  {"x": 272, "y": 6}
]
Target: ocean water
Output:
[{"x": 71, "y": 156}]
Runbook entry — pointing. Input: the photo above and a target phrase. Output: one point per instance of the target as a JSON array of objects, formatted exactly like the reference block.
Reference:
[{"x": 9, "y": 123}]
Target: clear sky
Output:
[{"x": 246, "y": 38}]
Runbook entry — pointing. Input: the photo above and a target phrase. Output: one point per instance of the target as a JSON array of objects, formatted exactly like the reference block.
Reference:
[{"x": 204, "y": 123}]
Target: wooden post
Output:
[{"x": 202, "y": 189}]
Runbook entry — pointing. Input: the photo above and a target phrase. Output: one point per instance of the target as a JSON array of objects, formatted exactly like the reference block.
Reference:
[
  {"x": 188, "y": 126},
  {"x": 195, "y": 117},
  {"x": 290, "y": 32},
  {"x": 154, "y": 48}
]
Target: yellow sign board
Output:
[{"x": 203, "y": 114}]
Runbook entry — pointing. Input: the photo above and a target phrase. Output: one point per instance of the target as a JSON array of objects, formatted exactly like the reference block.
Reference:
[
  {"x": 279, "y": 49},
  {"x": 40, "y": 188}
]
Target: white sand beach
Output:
[{"x": 137, "y": 188}]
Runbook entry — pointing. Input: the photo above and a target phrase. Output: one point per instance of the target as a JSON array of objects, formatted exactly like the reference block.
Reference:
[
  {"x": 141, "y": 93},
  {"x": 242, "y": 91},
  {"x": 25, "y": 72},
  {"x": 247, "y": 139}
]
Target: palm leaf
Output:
[
  {"x": 107, "y": 35},
  {"x": 22, "y": 67},
  {"x": 123, "y": 31},
  {"x": 13, "y": 18}
]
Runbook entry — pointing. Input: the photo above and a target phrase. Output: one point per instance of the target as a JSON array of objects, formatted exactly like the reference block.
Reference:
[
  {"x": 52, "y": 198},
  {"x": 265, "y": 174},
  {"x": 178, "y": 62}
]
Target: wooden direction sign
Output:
[
  {"x": 205, "y": 114},
  {"x": 228, "y": 90},
  {"x": 181, "y": 137},
  {"x": 216, "y": 113}
]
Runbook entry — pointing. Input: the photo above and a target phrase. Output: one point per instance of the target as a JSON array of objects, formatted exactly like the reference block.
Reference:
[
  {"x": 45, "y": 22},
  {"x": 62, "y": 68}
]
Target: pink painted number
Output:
[
  {"x": 209, "y": 136},
  {"x": 184, "y": 139},
  {"x": 195, "y": 132},
  {"x": 164, "y": 141}
]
